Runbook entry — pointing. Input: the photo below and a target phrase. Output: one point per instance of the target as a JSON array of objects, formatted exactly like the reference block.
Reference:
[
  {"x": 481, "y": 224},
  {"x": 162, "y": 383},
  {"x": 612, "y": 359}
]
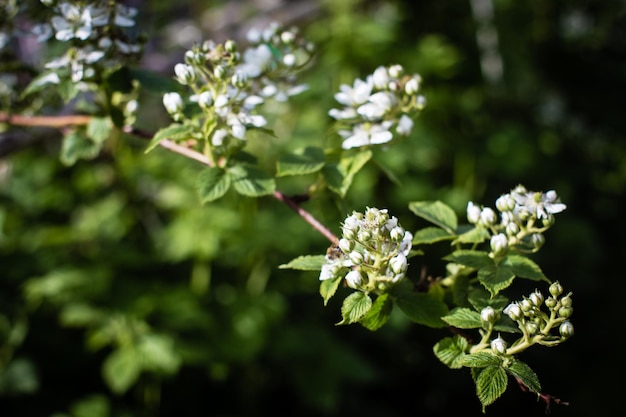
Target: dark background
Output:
[{"x": 255, "y": 340}]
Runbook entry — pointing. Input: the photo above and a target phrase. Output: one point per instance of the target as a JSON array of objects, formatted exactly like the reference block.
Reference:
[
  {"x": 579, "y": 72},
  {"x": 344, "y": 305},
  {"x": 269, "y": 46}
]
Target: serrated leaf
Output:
[
  {"x": 491, "y": 383},
  {"x": 379, "y": 314},
  {"x": 305, "y": 263},
  {"x": 451, "y": 350},
  {"x": 99, "y": 129},
  {"x": 175, "y": 131},
  {"x": 121, "y": 369},
  {"x": 339, "y": 176},
  {"x": 523, "y": 267},
  {"x": 251, "y": 181},
  {"x": 481, "y": 360},
  {"x": 495, "y": 279},
  {"x": 212, "y": 183},
  {"x": 463, "y": 318},
  {"x": 328, "y": 288},
  {"x": 472, "y": 258},
  {"x": 77, "y": 145},
  {"x": 473, "y": 235},
  {"x": 480, "y": 298},
  {"x": 354, "y": 307},
  {"x": 429, "y": 235},
  {"x": 437, "y": 213},
  {"x": 421, "y": 308},
  {"x": 309, "y": 160},
  {"x": 526, "y": 375}
]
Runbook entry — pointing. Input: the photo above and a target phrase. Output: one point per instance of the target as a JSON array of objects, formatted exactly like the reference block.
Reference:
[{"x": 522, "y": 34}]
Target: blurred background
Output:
[{"x": 120, "y": 295}]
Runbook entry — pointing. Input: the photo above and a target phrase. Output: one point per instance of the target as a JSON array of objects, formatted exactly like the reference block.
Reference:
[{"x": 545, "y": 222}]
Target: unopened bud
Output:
[
  {"x": 488, "y": 314},
  {"x": 536, "y": 298},
  {"x": 566, "y": 329},
  {"x": 566, "y": 312},
  {"x": 514, "y": 311},
  {"x": 556, "y": 289},
  {"x": 354, "y": 279},
  {"x": 498, "y": 346}
]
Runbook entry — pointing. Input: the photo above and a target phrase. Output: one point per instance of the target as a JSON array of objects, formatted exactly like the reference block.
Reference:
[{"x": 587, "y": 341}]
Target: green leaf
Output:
[
  {"x": 339, "y": 177},
  {"x": 495, "y": 279},
  {"x": 121, "y": 369},
  {"x": 309, "y": 160},
  {"x": 175, "y": 131},
  {"x": 463, "y": 318},
  {"x": 354, "y": 307},
  {"x": 480, "y": 298},
  {"x": 328, "y": 288},
  {"x": 481, "y": 360},
  {"x": 212, "y": 183},
  {"x": 158, "y": 354},
  {"x": 80, "y": 315},
  {"x": 305, "y": 263},
  {"x": 379, "y": 314},
  {"x": 40, "y": 82},
  {"x": 251, "y": 181},
  {"x": 523, "y": 372},
  {"x": 77, "y": 145},
  {"x": 430, "y": 235},
  {"x": 421, "y": 308},
  {"x": 523, "y": 267},
  {"x": 473, "y": 235},
  {"x": 490, "y": 384},
  {"x": 99, "y": 129},
  {"x": 451, "y": 350},
  {"x": 152, "y": 81},
  {"x": 472, "y": 258},
  {"x": 437, "y": 213}
]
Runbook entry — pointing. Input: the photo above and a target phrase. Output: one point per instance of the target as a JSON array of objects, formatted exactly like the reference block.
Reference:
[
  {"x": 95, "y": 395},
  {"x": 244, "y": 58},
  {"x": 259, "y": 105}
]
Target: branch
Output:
[{"x": 73, "y": 120}]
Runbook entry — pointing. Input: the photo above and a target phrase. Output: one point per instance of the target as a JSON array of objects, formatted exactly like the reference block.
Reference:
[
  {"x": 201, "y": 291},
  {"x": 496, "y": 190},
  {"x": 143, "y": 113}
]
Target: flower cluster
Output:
[
  {"x": 372, "y": 253},
  {"x": 378, "y": 108},
  {"x": 524, "y": 216},
  {"x": 228, "y": 86},
  {"x": 537, "y": 326},
  {"x": 96, "y": 31}
]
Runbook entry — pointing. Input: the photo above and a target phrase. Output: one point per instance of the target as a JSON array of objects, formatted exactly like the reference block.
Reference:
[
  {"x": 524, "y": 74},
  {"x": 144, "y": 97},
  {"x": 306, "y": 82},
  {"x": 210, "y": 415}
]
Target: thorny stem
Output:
[{"x": 78, "y": 120}]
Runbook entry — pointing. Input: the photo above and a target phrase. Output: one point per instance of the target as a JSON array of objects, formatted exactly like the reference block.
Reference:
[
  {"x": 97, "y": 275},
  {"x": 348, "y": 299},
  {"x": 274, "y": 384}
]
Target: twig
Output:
[
  {"x": 547, "y": 398},
  {"x": 73, "y": 120}
]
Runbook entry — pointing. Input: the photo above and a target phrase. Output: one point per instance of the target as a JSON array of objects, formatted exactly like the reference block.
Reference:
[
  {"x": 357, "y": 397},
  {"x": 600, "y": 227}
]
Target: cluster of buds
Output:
[
  {"x": 372, "y": 253},
  {"x": 379, "y": 108},
  {"x": 227, "y": 86},
  {"x": 524, "y": 217},
  {"x": 97, "y": 32},
  {"x": 537, "y": 326}
]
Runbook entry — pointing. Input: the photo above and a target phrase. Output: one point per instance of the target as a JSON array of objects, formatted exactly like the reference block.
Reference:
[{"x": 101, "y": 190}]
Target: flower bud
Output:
[
  {"x": 396, "y": 71},
  {"x": 526, "y": 305},
  {"x": 499, "y": 243},
  {"x": 398, "y": 264},
  {"x": 514, "y": 311},
  {"x": 287, "y": 37},
  {"x": 532, "y": 328},
  {"x": 551, "y": 302},
  {"x": 547, "y": 220},
  {"x": 556, "y": 289},
  {"x": 566, "y": 329},
  {"x": 505, "y": 203},
  {"x": 355, "y": 257},
  {"x": 230, "y": 46},
  {"x": 364, "y": 235},
  {"x": 488, "y": 217},
  {"x": 420, "y": 102},
  {"x": 219, "y": 72},
  {"x": 289, "y": 60},
  {"x": 380, "y": 78},
  {"x": 205, "y": 99},
  {"x": 185, "y": 73},
  {"x": 473, "y": 213},
  {"x": 567, "y": 301},
  {"x": 397, "y": 234},
  {"x": 354, "y": 279},
  {"x": 346, "y": 245},
  {"x": 412, "y": 86},
  {"x": 537, "y": 240},
  {"x": 498, "y": 345},
  {"x": 536, "y": 298},
  {"x": 488, "y": 314},
  {"x": 173, "y": 103},
  {"x": 512, "y": 229},
  {"x": 566, "y": 312}
]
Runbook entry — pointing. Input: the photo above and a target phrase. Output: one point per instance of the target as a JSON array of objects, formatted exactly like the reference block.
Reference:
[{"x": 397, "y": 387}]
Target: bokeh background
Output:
[{"x": 120, "y": 295}]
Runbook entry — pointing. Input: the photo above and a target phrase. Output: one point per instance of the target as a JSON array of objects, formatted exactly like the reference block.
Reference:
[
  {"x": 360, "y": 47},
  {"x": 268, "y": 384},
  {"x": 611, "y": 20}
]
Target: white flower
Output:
[
  {"x": 405, "y": 125},
  {"x": 218, "y": 138},
  {"x": 356, "y": 95},
  {"x": 74, "y": 23},
  {"x": 380, "y": 78},
  {"x": 255, "y": 61},
  {"x": 366, "y": 134},
  {"x": 377, "y": 106},
  {"x": 542, "y": 205},
  {"x": 343, "y": 114}
]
